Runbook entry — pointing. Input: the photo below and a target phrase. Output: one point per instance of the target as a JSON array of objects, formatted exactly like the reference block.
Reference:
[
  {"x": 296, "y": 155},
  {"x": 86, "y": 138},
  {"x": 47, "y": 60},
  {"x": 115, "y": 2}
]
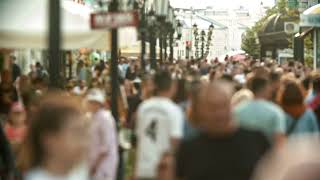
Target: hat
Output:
[
  {"x": 96, "y": 95},
  {"x": 137, "y": 80},
  {"x": 17, "y": 107}
]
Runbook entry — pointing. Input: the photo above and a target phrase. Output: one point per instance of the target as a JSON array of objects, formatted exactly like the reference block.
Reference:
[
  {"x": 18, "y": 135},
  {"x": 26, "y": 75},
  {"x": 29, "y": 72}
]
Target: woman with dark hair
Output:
[
  {"x": 56, "y": 142},
  {"x": 132, "y": 71},
  {"x": 299, "y": 118},
  {"x": 7, "y": 164},
  {"x": 8, "y": 95}
]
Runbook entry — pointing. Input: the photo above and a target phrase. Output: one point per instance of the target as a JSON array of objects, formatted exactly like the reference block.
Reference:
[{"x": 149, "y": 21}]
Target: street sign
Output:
[{"x": 110, "y": 20}]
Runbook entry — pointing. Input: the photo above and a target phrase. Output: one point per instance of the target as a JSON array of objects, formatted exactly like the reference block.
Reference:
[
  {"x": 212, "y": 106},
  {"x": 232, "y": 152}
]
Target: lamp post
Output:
[
  {"x": 162, "y": 10},
  {"x": 210, "y": 32},
  {"x": 168, "y": 31},
  {"x": 203, "y": 33},
  {"x": 171, "y": 33},
  {"x": 177, "y": 26},
  {"x": 165, "y": 44},
  {"x": 196, "y": 38},
  {"x": 54, "y": 44},
  {"x": 143, "y": 27},
  {"x": 152, "y": 39}
]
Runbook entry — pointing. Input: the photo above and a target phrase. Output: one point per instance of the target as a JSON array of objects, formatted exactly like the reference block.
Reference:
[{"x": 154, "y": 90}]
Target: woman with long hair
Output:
[{"x": 300, "y": 119}]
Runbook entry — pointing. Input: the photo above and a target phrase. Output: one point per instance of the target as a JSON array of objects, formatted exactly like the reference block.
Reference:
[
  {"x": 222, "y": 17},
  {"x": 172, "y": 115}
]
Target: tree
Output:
[
  {"x": 249, "y": 41},
  {"x": 250, "y": 44}
]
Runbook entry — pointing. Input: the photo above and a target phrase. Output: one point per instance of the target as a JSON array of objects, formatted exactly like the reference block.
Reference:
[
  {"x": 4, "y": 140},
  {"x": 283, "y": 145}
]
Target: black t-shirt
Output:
[
  {"x": 131, "y": 75},
  {"x": 133, "y": 102},
  {"x": 227, "y": 158}
]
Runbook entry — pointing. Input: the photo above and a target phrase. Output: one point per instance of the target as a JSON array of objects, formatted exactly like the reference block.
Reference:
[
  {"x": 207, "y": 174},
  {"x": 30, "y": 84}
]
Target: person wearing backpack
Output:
[{"x": 299, "y": 118}]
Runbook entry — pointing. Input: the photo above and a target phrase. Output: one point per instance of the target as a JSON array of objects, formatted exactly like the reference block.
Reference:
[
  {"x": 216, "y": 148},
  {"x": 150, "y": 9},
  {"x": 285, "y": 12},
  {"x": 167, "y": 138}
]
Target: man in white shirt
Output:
[
  {"x": 159, "y": 127},
  {"x": 103, "y": 150}
]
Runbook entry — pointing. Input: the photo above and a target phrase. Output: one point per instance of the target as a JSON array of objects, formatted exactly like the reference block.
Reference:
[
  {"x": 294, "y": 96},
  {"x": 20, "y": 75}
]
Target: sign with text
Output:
[{"x": 110, "y": 20}]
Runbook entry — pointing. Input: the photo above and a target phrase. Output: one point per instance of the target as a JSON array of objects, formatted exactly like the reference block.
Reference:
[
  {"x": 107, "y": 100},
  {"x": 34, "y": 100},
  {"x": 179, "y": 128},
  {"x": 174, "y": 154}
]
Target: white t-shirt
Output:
[
  {"x": 79, "y": 173},
  {"x": 158, "y": 120}
]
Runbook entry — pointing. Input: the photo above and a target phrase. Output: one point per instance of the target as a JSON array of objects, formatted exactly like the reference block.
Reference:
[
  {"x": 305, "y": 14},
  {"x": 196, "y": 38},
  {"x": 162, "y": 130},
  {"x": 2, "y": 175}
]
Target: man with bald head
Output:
[{"x": 222, "y": 150}]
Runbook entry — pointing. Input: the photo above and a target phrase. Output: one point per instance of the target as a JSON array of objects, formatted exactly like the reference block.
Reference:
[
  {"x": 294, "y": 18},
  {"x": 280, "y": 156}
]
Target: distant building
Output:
[{"x": 230, "y": 25}]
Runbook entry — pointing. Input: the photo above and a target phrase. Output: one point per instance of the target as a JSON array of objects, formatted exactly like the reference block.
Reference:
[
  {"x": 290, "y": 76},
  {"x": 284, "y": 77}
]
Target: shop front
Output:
[{"x": 311, "y": 19}]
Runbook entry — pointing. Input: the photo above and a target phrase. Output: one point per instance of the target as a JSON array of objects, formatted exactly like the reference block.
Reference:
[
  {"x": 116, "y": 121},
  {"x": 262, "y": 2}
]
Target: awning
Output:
[
  {"x": 134, "y": 49},
  {"x": 311, "y": 17},
  {"x": 304, "y": 33},
  {"x": 24, "y": 24}
]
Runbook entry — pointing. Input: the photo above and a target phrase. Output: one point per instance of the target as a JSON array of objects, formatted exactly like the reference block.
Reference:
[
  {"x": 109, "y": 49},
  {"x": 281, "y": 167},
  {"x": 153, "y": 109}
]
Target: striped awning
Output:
[{"x": 311, "y": 17}]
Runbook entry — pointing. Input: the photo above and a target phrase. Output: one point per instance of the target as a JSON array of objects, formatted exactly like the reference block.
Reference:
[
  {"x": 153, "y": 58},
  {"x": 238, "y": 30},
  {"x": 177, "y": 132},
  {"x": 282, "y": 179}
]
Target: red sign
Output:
[{"x": 114, "y": 19}]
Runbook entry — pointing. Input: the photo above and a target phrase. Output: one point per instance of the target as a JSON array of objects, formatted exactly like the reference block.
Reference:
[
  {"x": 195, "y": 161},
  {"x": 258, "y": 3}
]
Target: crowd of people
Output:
[{"x": 186, "y": 120}]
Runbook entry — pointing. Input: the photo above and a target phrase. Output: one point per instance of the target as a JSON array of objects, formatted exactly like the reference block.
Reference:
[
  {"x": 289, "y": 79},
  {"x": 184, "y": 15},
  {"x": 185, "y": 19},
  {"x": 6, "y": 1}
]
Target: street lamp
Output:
[
  {"x": 196, "y": 34},
  {"x": 153, "y": 41},
  {"x": 179, "y": 30},
  {"x": 143, "y": 31},
  {"x": 161, "y": 10},
  {"x": 195, "y": 26},
  {"x": 168, "y": 28},
  {"x": 210, "y": 32},
  {"x": 211, "y": 27},
  {"x": 203, "y": 33}
]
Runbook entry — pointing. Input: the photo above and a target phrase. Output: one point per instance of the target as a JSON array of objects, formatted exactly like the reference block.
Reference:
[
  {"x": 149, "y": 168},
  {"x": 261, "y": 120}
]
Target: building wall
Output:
[{"x": 228, "y": 39}]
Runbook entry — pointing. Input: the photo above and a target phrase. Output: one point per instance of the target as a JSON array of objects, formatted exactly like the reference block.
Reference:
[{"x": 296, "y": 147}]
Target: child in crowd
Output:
[{"x": 15, "y": 127}]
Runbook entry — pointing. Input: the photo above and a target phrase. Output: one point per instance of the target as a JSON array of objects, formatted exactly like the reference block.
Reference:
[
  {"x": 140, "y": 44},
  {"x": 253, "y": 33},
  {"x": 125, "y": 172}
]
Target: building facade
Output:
[{"x": 230, "y": 25}]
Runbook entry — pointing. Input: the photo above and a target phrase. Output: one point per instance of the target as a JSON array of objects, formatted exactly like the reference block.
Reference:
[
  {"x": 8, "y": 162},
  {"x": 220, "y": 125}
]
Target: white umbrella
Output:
[{"x": 24, "y": 24}]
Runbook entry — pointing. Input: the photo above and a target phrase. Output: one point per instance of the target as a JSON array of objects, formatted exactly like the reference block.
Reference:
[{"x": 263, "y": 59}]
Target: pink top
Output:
[{"x": 104, "y": 141}]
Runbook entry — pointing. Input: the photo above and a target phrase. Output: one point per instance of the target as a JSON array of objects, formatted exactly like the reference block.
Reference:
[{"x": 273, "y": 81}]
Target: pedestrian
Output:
[
  {"x": 24, "y": 87},
  {"x": 299, "y": 118},
  {"x": 222, "y": 150},
  {"x": 16, "y": 70},
  {"x": 33, "y": 72},
  {"x": 8, "y": 95},
  {"x": 241, "y": 96},
  {"x": 7, "y": 162},
  {"x": 275, "y": 84},
  {"x": 159, "y": 126},
  {"x": 184, "y": 98},
  {"x": 314, "y": 103},
  {"x": 41, "y": 71},
  {"x": 41, "y": 86},
  {"x": 260, "y": 113},
  {"x": 297, "y": 160},
  {"x": 103, "y": 149},
  {"x": 84, "y": 73},
  {"x": 145, "y": 92},
  {"x": 81, "y": 88},
  {"x": 315, "y": 91},
  {"x": 15, "y": 127},
  {"x": 132, "y": 71},
  {"x": 56, "y": 141}
]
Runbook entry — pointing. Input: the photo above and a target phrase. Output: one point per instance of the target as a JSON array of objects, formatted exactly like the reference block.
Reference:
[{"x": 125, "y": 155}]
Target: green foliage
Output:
[
  {"x": 308, "y": 50},
  {"x": 249, "y": 42},
  {"x": 282, "y": 6}
]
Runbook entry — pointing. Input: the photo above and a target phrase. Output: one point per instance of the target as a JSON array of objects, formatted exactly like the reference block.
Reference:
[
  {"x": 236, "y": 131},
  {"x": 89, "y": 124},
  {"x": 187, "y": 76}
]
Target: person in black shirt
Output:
[
  {"x": 132, "y": 71},
  {"x": 7, "y": 163},
  {"x": 16, "y": 71},
  {"x": 222, "y": 151}
]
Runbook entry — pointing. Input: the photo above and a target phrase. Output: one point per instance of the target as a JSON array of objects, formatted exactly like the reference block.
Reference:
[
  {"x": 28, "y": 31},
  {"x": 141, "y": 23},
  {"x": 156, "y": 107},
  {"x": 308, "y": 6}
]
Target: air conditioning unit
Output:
[{"x": 291, "y": 27}]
